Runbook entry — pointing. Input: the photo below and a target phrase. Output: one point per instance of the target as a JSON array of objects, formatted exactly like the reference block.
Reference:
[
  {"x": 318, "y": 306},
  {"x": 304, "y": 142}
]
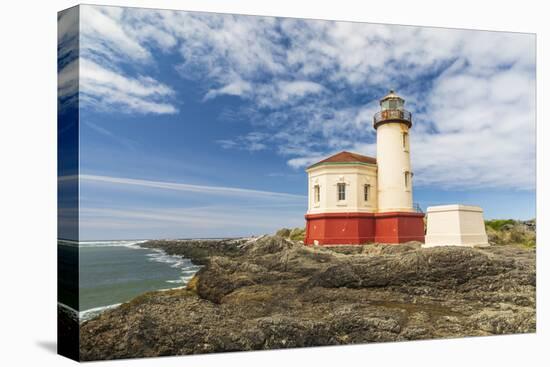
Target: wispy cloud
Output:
[
  {"x": 67, "y": 58},
  {"x": 213, "y": 216},
  {"x": 216, "y": 190},
  {"x": 214, "y": 221},
  {"x": 312, "y": 86},
  {"x": 462, "y": 93},
  {"x": 107, "y": 71},
  {"x": 105, "y": 34},
  {"x": 106, "y": 89},
  {"x": 158, "y": 209},
  {"x": 120, "y": 140},
  {"x": 253, "y": 141}
]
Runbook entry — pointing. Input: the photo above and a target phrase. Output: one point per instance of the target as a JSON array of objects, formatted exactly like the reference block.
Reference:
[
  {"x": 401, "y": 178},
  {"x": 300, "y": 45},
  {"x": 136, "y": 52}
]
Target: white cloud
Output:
[
  {"x": 108, "y": 47},
  {"x": 198, "y": 218},
  {"x": 236, "y": 88},
  {"x": 183, "y": 210},
  {"x": 103, "y": 32},
  {"x": 67, "y": 57},
  {"x": 106, "y": 88},
  {"x": 304, "y": 161},
  {"x": 252, "y": 142},
  {"x": 209, "y": 221},
  {"x": 67, "y": 80},
  {"x": 312, "y": 86},
  {"x": 205, "y": 189}
]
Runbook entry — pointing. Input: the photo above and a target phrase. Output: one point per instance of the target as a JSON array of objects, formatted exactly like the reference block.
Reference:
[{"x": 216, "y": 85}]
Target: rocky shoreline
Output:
[{"x": 272, "y": 292}]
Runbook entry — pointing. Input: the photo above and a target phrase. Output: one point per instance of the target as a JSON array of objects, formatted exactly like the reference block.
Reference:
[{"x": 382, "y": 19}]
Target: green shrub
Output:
[
  {"x": 511, "y": 232},
  {"x": 531, "y": 243},
  {"x": 497, "y": 224},
  {"x": 283, "y": 232},
  {"x": 297, "y": 234}
]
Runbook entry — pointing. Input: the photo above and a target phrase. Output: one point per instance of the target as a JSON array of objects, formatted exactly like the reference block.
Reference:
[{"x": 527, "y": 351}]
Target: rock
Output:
[
  {"x": 272, "y": 292},
  {"x": 198, "y": 250},
  {"x": 437, "y": 267}
]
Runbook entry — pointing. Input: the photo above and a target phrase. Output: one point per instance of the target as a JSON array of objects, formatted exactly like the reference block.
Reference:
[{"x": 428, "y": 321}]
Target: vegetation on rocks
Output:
[
  {"x": 273, "y": 292},
  {"x": 511, "y": 232},
  {"x": 295, "y": 234}
]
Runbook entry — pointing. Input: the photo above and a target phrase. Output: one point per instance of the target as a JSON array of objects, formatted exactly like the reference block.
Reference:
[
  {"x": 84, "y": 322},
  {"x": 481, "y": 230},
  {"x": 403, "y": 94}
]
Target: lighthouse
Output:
[
  {"x": 355, "y": 199},
  {"x": 392, "y": 124}
]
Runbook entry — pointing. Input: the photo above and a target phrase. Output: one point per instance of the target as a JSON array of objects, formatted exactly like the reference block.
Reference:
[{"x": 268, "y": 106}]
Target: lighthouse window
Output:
[
  {"x": 405, "y": 141},
  {"x": 366, "y": 193},
  {"x": 341, "y": 191},
  {"x": 316, "y": 194},
  {"x": 407, "y": 179}
]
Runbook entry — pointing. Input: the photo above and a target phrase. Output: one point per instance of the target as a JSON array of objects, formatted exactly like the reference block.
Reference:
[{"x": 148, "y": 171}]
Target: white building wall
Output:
[
  {"x": 354, "y": 176},
  {"x": 455, "y": 225},
  {"x": 393, "y": 160}
]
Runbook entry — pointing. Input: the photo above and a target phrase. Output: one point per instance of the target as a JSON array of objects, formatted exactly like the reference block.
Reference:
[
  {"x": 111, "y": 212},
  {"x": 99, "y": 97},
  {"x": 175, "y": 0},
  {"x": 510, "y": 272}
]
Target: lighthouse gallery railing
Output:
[{"x": 392, "y": 115}]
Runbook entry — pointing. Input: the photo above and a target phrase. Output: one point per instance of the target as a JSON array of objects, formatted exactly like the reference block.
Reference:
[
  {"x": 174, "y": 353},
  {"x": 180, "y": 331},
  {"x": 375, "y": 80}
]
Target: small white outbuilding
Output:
[{"x": 455, "y": 225}]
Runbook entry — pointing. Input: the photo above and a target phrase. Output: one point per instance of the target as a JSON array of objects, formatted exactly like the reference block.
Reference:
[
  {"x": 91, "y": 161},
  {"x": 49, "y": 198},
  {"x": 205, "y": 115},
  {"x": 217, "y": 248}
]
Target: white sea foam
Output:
[
  {"x": 171, "y": 289},
  {"x": 175, "y": 261},
  {"x": 186, "y": 267},
  {"x": 68, "y": 243},
  {"x": 182, "y": 280},
  {"x": 86, "y": 314},
  {"x": 93, "y": 312},
  {"x": 67, "y": 308},
  {"x": 176, "y": 281},
  {"x": 128, "y": 244}
]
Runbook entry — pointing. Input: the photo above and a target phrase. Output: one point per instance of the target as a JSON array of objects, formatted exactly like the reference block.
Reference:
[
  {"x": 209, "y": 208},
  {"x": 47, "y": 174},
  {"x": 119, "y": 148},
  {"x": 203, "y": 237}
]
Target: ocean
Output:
[{"x": 113, "y": 272}]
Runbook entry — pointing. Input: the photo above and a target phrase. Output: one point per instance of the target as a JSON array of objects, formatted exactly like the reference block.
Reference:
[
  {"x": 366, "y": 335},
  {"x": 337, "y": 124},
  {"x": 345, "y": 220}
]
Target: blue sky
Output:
[{"x": 201, "y": 125}]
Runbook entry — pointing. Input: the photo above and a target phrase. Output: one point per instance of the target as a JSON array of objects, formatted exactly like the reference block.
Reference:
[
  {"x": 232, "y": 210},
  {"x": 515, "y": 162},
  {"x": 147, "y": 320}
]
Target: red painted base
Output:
[
  {"x": 399, "y": 227},
  {"x": 358, "y": 228}
]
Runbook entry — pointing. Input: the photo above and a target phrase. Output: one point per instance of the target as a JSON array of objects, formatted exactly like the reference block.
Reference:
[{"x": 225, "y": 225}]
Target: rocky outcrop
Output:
[
  {"x": 272, "y": 292},
  {"x": 198, "y": 250}
]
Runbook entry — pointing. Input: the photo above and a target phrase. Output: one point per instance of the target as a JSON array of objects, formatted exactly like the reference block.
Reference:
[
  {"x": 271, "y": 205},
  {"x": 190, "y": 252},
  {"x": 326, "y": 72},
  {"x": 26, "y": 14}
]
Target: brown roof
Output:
[{"x": 346, "y": 157}]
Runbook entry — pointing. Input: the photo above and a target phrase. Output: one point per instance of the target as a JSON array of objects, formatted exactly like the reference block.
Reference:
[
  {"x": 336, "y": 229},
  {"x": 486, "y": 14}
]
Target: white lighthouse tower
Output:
[{"x": 392, "y": 124}]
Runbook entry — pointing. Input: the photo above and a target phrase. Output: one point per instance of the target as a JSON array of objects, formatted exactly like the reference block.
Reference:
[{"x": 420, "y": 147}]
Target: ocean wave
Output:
[
  {"x": 86, "y": 315},
  {"x": 93, "y": 312},
  {"x": 126, "y": 243},
  {"x": 183, "y": 280},
  {"x": 176, "y": 281},
  {"x": 175, "y": 261},
  {"x": 68, "y": 243},
  {"x": 188, "y": 269},
  {"x": 68, "y": 309}
]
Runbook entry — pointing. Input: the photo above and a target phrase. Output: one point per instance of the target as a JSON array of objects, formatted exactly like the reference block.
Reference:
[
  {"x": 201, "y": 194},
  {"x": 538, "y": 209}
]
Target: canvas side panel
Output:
[{"x": 67, "y": 186}]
